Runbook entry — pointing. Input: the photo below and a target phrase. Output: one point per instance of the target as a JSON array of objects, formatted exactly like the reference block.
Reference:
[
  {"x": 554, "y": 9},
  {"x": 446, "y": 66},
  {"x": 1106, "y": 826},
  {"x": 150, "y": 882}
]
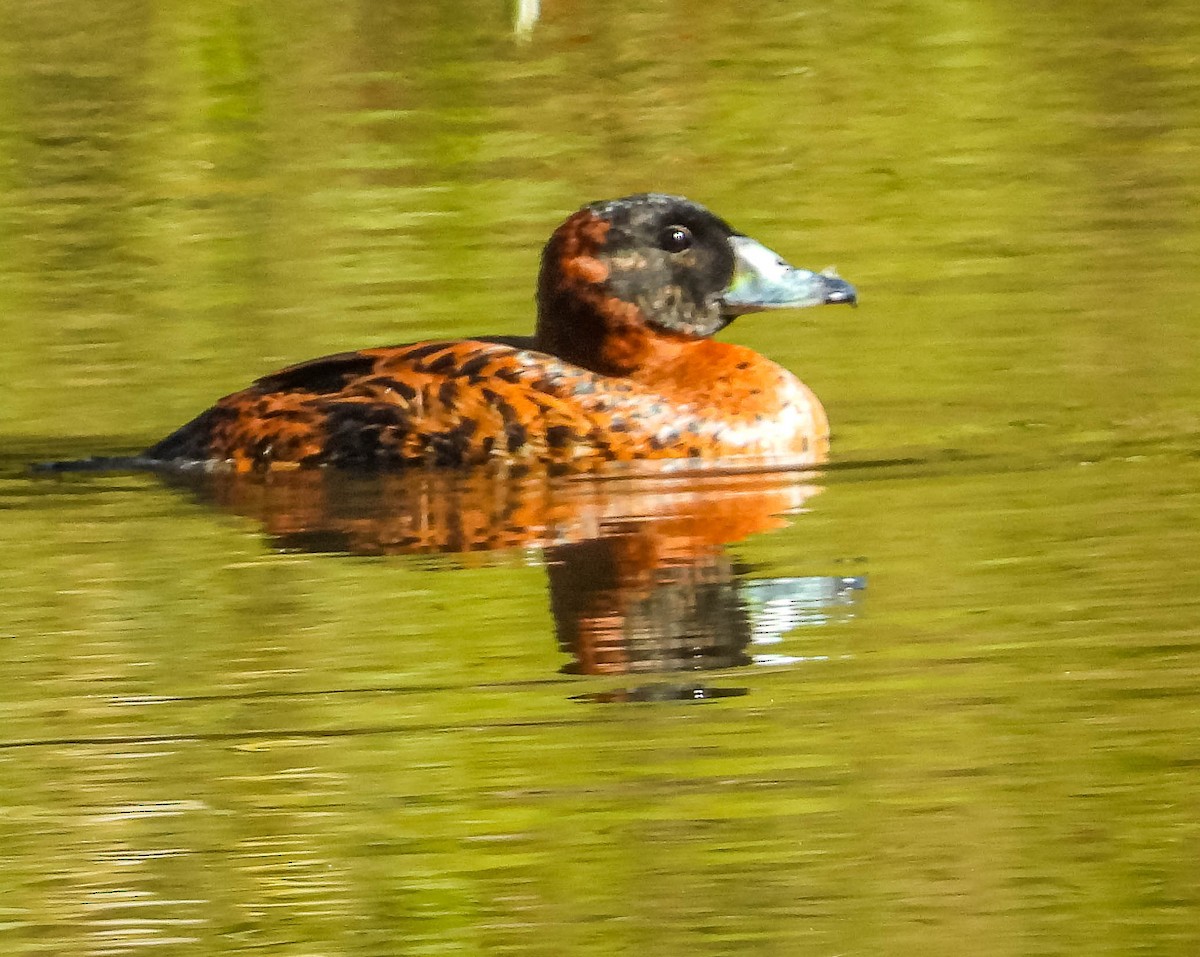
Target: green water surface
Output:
[{"x": 217, "y": 740}]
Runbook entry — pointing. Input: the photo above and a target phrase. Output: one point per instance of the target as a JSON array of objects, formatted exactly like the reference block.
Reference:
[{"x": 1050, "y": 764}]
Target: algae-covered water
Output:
[{"x": 943, "y": 696}]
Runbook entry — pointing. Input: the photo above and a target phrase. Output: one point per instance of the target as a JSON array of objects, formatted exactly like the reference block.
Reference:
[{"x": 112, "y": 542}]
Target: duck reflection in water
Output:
[{"x": 640, "y": 578}]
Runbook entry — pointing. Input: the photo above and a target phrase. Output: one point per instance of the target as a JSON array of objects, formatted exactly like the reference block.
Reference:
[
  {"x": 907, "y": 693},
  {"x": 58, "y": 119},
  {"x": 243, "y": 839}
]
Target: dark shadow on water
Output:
[{"x": 658, "y": 692}]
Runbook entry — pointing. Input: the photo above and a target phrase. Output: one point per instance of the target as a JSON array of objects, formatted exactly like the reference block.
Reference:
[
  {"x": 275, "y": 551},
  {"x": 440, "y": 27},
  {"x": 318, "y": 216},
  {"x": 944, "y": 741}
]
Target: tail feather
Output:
[{"x": 97, "y": 463}]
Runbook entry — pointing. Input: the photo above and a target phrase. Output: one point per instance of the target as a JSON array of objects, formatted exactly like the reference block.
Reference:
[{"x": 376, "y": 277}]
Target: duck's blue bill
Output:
[{"x": 763, "y": 280}]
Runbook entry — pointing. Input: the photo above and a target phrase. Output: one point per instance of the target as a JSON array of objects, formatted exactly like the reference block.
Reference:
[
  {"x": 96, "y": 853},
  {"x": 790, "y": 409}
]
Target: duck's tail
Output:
[{"x": 97, "y": 463}]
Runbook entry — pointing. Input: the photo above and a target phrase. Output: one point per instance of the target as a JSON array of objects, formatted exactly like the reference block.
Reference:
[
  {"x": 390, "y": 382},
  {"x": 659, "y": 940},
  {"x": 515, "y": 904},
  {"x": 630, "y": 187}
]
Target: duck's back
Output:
[{"x": 464, "y": 402}]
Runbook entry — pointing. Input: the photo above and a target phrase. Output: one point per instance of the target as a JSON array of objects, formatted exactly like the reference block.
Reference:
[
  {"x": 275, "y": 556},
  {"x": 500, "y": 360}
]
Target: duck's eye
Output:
[{"x": 675, "y": 239}]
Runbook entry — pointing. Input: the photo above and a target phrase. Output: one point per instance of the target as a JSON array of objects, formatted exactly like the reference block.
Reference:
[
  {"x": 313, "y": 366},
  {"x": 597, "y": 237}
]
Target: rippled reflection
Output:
[{"x": 640, "y": 579}]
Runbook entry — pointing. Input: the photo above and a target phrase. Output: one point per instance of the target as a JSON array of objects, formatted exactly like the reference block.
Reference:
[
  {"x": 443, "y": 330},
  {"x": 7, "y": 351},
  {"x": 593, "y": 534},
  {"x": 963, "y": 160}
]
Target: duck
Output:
[{"x": 622, "y": 366}]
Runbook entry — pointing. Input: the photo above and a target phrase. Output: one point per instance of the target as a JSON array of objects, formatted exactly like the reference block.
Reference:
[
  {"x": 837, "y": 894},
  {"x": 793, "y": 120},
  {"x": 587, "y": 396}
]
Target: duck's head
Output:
[{"x": 622, "y": 278}]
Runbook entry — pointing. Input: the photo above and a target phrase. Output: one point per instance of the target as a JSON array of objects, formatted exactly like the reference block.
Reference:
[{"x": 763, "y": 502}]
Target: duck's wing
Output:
[
  {"x": 438, "y": 402},
  {"x": 275, "y": 413},
  {"x": 324, "y": 375}
]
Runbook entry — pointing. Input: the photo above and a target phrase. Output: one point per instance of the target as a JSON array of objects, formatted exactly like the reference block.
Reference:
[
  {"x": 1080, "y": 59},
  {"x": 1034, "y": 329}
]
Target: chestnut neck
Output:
[{"x": 581, "y": 323}]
